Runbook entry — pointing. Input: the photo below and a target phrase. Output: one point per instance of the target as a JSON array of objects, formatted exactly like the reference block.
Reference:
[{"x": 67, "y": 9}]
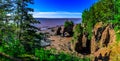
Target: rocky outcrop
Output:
[
  {"x": 57, "y": 32},
  {"x": 63, "y": 31},
  {"x": 97, "y": 33},
  {"x": 102, "y": 54},
  {"x": 102, "y": 38},
  {"x": 83, "y": 44},
  {"x": 68, "y": 31}
]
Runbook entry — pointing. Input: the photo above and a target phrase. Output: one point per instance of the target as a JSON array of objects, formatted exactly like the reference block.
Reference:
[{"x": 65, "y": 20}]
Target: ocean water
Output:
[{"x": 52, "y": 22}]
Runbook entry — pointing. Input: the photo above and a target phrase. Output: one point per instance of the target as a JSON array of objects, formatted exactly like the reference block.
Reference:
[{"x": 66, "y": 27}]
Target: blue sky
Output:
[{"x": 60, "y": 8}]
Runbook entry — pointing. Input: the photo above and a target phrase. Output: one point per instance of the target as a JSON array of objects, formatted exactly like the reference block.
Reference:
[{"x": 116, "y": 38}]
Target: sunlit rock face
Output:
[{"x": 102, "y": 37}]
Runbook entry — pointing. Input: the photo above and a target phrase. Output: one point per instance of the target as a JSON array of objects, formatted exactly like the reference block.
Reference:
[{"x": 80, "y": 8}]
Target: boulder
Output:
[
  {"x": 58, "y": 29},
  {"x": 44, "y": 43}
]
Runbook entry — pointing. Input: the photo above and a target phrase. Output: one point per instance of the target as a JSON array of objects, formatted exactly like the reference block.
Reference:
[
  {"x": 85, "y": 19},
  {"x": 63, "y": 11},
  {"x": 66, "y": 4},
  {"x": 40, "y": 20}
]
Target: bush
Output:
[
  {"x": 68, "y": 28},
  {"x": 12, "y": 47},
  {"x": 68, "y": 23},
  {"x": 77, "y": 31},
  {"x": 47, "y": 55}
]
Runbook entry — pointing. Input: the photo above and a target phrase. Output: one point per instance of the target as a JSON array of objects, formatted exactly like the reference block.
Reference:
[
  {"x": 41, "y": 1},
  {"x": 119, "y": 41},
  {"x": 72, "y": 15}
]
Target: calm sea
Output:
[{"x": 52, "y": 22}]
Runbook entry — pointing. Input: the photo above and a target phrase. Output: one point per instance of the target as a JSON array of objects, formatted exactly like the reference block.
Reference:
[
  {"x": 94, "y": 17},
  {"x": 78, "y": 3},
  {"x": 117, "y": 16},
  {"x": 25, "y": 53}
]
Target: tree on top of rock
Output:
[
  {"x": 68, "y": 23},
  {"x": 68, "y": 28}
]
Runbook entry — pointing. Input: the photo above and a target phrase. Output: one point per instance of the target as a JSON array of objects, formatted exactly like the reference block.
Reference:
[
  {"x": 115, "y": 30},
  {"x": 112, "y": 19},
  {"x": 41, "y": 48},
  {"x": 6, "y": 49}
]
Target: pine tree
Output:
[
  {"x": 5, "y": 18},
  {"x": 27, "y": 33}
]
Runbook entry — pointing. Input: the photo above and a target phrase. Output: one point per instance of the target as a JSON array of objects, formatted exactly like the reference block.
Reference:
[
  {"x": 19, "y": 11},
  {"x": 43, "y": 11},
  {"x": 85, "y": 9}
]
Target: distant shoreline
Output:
[{"x": 53, "y": 22}]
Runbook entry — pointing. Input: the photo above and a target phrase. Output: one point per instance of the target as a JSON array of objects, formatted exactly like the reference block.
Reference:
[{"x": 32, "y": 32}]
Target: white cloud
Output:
[{"x": 56, "y": 15}]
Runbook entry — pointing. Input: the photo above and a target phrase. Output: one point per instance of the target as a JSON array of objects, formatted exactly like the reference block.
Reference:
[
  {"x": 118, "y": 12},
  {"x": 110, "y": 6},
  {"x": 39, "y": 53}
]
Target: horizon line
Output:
[{"x": 56, "y": 14}]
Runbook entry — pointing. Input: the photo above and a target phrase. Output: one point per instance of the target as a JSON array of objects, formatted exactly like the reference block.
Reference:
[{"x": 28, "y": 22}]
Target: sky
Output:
[{"x": 60, "y": 8}]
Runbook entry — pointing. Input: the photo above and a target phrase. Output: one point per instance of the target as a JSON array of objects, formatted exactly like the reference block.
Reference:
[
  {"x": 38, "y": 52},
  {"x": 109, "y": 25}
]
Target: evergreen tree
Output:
[
  {"x": 16, "y": 19},
  {"x": 6, "y": 9},
  {"x": 27, "y": 33}
]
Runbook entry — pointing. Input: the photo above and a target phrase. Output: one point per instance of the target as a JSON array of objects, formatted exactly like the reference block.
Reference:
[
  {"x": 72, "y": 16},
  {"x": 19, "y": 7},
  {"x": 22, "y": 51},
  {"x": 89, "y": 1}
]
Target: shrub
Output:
[
  {"x": 47, "y": 55},
  {"x": 68, "y": 28},
  {"x": 77, "y": 31},
  {"x": 12, "y": 47},
  {"x": 68, "y": 23}
]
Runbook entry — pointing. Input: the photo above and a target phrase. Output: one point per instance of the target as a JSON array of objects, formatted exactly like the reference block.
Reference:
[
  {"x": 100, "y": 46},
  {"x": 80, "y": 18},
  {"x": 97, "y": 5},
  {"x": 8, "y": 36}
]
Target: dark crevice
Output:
[
  {"x": 99, "y": 33},
  {"x": 81, "y": 49},
  {"x": 107, "y": 39},
  {"x": 106, "y": 57}
]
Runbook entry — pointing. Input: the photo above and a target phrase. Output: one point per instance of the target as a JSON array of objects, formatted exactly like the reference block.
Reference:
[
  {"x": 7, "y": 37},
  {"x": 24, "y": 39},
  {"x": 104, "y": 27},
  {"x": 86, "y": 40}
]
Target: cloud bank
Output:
[{"x": 56, "y": 15}]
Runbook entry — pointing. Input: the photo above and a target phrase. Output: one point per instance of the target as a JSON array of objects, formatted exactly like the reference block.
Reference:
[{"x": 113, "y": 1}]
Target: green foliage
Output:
[
  {"x": 118, "y": 37},
  {"x": 47, "y": 55},
  {"x": 89, "y": 29},
  {"x": 116, "y": 19},
  {"x": 25, "y": 22},
  {"x": 117, "y": 31},
  {"x": 12, "y": 47},
  {"x": 17, "y": 30},
  {"x": 77, "y": 32},
  {"x": 68, "y": 27},
  {"x": 4, "y": 59},
  {"x": 68, "y": 23}
]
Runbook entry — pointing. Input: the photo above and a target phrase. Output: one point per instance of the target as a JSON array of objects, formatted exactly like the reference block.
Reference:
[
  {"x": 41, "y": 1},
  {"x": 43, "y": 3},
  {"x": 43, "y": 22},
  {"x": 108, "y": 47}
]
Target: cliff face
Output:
[
  {"x": 97, "y": 33},
  {"x": 100, "y": 47},
  {"x": 102, "y": 38}
]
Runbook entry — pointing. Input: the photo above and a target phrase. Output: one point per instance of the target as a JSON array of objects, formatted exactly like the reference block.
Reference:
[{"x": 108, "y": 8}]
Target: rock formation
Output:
[
  {"x": 68, "y": 30},
  {"x": 102, "y": 38},
  {"x": 58, "y": 31},
  {"x": 83, "y": 44}
]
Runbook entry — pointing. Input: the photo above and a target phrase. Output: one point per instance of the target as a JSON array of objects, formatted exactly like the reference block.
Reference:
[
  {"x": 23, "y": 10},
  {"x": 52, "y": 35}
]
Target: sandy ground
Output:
[{"x": 60, "y": 43}]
